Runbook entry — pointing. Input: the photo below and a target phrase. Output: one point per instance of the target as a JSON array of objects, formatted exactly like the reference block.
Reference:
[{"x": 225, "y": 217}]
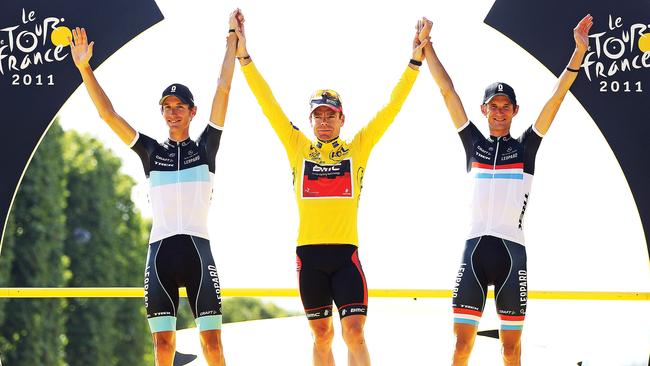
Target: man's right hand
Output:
[{"x": 81, "y": 50}]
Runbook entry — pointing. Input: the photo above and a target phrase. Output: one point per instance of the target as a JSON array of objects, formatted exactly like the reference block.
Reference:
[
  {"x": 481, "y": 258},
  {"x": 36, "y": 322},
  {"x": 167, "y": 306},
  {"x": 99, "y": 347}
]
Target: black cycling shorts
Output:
[
  {"x": 488, "y": 260},
  {"x": 181, "y": 261},
  {"x": 331, "y": 272}
]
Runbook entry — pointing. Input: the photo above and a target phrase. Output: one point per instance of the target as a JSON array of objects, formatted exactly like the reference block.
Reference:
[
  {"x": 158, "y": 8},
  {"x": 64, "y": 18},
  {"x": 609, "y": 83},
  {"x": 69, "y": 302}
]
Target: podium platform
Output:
[{"x": 419, "y": 332}]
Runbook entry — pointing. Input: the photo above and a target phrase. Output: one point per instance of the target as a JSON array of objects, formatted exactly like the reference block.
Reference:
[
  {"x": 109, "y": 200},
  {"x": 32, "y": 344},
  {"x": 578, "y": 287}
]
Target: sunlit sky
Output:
[{"x": 413, "y": 215}]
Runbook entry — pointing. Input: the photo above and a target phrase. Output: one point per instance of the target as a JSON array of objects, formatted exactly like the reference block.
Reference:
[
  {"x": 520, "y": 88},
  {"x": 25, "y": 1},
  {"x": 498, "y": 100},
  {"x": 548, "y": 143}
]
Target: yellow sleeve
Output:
[
  {"x": 368, "y": 136},
  {"x": 289, "y": 134}
]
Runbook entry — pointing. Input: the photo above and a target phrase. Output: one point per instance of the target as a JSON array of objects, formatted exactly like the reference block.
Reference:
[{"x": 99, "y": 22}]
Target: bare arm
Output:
[
  {"x": 220, "y": 100},
  {"x": 81, "y": 54},
  {"x": 566, "y": 79},
  {"x": 442, "y": 79}
]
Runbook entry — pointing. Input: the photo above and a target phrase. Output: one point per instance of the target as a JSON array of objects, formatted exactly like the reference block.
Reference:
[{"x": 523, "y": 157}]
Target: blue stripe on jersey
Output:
[
  {"x": 499, "y": 176},
  {"x": 196, "y": 174}
]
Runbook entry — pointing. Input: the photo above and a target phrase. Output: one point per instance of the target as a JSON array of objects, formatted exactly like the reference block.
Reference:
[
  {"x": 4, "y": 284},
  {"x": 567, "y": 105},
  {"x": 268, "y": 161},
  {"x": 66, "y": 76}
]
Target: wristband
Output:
[
  {"x": 244, "y": 58},
  {"x": 231, "y": 30},
  {"x": 415, "y": 62},
  {"x": 572, "y": 70}
]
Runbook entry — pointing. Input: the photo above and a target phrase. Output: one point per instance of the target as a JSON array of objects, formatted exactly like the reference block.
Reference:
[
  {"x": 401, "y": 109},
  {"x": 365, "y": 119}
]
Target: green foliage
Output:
[
  {"x": 32, "y": 328},
  {"x": 184, "y": 316},
  {"x": 106, "y": 246},
  {"x": 240, "y": 309}
]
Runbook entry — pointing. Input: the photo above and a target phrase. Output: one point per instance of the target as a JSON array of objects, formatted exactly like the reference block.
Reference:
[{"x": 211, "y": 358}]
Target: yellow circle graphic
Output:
[
  {"x": 60, "y": 36},
  {"x": 644, "y": 42}
]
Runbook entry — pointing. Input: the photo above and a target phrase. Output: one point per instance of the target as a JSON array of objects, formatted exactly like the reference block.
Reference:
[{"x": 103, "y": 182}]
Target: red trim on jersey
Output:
[{"x": 476, "y": 164}]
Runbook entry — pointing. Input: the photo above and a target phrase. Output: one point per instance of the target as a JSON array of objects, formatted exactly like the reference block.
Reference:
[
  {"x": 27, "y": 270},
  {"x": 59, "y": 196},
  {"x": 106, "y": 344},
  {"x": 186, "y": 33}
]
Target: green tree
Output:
[
  {"x": 107, "y": 247},
  {"x": 6, "y": 258},
  {"x": 33, "y": 329}
]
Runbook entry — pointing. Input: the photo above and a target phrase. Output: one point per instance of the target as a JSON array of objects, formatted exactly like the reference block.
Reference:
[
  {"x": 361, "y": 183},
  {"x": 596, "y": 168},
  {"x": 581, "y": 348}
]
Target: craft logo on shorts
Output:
[
  {"x": 617, "y": 53},
  {"x": 32, "y": 40}
]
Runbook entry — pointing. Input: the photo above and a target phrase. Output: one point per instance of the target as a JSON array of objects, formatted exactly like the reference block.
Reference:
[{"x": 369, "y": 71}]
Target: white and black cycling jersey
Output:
[
  {"x": 180, "y": 175},
  {"x": 501, "y": 169}
]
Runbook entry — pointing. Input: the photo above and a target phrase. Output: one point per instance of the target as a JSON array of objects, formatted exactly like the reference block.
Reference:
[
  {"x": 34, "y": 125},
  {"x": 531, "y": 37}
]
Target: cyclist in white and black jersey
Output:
[
  {"x": 501, "y": 168},
  {"x": 180, "y": 172}
]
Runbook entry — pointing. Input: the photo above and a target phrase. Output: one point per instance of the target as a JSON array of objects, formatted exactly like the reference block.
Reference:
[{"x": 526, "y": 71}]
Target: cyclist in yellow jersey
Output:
[{"x": 327, "y": 177}]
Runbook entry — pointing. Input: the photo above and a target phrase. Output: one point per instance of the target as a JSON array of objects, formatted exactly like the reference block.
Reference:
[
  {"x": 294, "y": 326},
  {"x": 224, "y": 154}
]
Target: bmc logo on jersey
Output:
[{"x": 327, "y": 180}]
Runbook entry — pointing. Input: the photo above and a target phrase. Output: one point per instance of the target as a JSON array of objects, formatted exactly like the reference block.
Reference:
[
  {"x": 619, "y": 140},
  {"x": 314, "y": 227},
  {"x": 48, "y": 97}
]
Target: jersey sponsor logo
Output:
[
  {"x": 192, "y": 160},
  {"x": 479, "y": 148},
  {"x": 163, "y": 164},
  {"x": 339, "y": 153},
  {"x": 314, "y": 154},
  {"x": 523, "y": 211},
  {"x": 509, "y": 156},
  {"x": 327, "y": 180},
  {"x": 158, "y": 157},
  {"x": 482, "y": 156}
]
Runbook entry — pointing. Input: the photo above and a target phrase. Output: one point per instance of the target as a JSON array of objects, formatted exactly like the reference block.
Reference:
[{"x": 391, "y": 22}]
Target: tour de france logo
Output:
[
  {"x": 616, "y": 54},
  {"x": 33, "y": 40}
]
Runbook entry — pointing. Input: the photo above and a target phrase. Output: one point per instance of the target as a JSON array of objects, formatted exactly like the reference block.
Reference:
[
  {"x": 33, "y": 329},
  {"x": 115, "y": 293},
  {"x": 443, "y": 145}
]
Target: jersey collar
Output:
[
  {"x": 500, "y": 138},
  {"x": 330, "y": 144},
  {"x": 173, "y": 143}
]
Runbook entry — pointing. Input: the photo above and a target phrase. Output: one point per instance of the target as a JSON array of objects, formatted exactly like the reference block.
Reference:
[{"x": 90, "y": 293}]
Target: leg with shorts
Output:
[
  {"x": 488, "y": 260},
  {"x": 161, "y": 302},
  {"x": 204, "y": 295},
  {"x": 333, "y": 273},
  {"x": 174, "y": 262},
  {"x": 511, "y": 296}
]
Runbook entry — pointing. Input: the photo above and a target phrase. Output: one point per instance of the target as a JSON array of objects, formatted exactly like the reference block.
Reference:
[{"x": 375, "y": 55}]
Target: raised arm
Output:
[
  {"x": 370, "y": 134},
  {"x": 220, "y": 100},
  {"x": 81, "y": 54},
  {"x": 290, "y": 136},
  {"x": 442, "y": 79},
  {"x": 568, "y": 76}
]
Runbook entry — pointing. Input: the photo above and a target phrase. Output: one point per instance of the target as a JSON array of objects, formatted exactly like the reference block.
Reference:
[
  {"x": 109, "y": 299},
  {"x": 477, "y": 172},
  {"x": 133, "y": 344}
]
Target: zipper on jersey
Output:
[
  {"x": 179, "y": 212},
  {"x": 491, "y": 199}
]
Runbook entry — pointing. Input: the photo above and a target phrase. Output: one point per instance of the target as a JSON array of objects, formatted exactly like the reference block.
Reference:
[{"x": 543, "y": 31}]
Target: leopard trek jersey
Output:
[
  {"x": 327, "y": 176},
  {"x": 180, "y": 176},
  {"x": 502, "y": 172}
]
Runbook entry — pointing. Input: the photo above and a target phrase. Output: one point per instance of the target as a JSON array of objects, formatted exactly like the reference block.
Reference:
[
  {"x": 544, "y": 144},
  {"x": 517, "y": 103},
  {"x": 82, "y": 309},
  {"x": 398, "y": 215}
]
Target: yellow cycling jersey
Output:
[{"x": 327, "y": 176}]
